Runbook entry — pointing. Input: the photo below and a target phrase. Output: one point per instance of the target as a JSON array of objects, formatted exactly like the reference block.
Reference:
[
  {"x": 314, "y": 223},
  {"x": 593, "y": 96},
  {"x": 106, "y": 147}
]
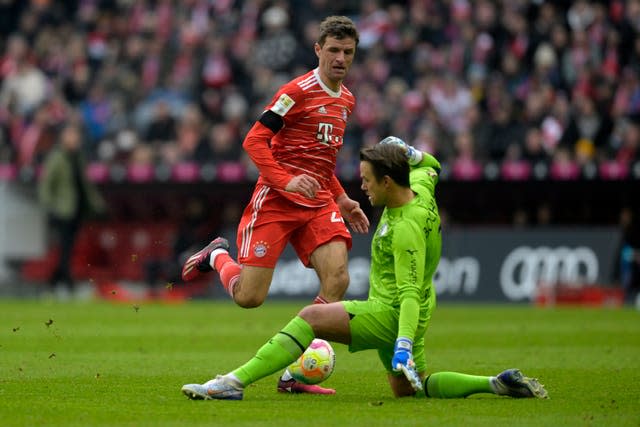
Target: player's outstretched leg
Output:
[
  {"x": 199, "y": 262},
  {"x": 221, "y": 388},
  {"x": 513, "y": 383}
]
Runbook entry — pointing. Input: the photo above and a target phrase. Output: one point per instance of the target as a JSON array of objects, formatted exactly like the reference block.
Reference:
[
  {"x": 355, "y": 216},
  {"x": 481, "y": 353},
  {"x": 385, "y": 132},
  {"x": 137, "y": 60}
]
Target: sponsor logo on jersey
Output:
[
  {"x": 325, "y": 133},
  {"x": 283, "y": 105},
  {"x": 413, "y": 267},
  {"x": 260, "y": 249},
  {"x": 322, "y": 110},
  {"x": 345, "y": 114}
]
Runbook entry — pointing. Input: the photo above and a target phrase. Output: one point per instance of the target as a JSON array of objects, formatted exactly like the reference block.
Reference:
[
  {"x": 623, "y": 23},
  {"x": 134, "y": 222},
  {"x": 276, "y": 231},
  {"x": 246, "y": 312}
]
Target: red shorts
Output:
[{"x": 270, "y": 221}]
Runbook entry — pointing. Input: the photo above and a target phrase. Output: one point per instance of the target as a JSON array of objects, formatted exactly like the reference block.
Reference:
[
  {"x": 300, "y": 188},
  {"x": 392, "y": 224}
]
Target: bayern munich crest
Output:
[{"x": 260, "y": 249}]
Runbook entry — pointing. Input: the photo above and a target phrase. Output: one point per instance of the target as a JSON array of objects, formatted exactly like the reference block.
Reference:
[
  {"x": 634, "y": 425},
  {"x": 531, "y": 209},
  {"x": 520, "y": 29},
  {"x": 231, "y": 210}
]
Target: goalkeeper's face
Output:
[
  {"x": 375, "y": 190},
  {"x": 335, "y": 57}
]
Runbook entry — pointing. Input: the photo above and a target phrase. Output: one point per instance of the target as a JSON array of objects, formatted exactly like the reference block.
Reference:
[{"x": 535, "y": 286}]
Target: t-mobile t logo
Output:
[{"x": 324, "y": 132}]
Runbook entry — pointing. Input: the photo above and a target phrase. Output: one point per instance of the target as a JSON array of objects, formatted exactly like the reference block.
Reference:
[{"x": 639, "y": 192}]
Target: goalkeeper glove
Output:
[
  {"x": 413, "y": 156},
  {"x": 403, "y": 361}
]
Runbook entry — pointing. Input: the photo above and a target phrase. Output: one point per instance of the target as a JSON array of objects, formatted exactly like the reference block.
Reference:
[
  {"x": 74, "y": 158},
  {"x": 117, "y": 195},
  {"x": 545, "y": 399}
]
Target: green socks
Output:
[
  {"x": 452, "y": 385},
  {"x": 278, "y": 353}
]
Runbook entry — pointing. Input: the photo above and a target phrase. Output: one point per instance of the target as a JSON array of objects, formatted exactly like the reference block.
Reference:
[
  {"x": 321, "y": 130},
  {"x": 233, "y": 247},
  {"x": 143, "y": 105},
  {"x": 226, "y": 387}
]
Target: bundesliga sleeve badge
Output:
[{"x": 283, "y": 105}]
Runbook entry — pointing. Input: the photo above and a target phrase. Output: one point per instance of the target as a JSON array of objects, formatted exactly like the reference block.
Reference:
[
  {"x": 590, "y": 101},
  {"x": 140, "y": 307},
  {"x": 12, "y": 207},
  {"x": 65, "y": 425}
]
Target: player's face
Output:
[
  {"x": 334, "y": 60},
  {"x": 374, "y": 189}
]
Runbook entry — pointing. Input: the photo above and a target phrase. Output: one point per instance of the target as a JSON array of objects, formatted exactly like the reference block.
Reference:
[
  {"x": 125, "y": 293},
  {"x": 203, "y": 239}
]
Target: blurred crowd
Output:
[{"x": 521, "y": 84}]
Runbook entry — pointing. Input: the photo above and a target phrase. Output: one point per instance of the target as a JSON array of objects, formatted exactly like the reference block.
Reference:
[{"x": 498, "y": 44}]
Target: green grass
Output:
[{"x": 116, "y": 364}]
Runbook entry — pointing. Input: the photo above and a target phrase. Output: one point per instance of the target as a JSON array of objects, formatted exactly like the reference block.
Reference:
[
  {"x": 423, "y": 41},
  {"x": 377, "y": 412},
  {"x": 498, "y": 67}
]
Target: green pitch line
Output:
[{"x": 100, "y": 364}]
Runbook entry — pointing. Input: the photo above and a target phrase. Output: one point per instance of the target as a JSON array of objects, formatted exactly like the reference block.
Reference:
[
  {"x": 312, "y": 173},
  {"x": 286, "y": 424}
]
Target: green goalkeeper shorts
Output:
[{"x": 374, "y": 326}]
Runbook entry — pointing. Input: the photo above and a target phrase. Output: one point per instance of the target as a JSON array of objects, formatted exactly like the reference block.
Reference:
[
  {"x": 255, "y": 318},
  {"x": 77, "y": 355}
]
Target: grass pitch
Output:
[{"x": 88, "y": 364}]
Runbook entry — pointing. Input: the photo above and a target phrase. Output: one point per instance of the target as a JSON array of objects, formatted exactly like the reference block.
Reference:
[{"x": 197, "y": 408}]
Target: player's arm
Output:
[
  {"x": 409, "y": 263},
  {"x": 349, "y": 208},
  {"x": 256, "y": 144},
  {"x": 426, "y": 161},
  {"x": 408, "y": 252}
]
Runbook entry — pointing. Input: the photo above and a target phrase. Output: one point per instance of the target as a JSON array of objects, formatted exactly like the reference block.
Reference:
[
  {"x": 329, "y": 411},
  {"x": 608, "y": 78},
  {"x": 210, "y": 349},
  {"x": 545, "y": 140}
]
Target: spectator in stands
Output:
[
  {"x": 34, "y": 138},
  {"x": 563, "y": 166},
  {"x": 96, "y": 112},
  {"x": 629, "y": 150},
  {"x": 465, "y": 165},
  {"x": 222, "y": 145},
  {"x": 162, "y": 127},
  {"x": 533, "y": 149},
  {"x": 587, "y": 123},
  {"x": 504, "y": 130},
  {"x": 68, "y": 198},
  {"x": 76, "y": 86},
  {"x": 277, "y": 46},
  {"x": 451, "y": 100},
  {"x": 24, "y": 86},
  {"x": 188, "y": 138}
]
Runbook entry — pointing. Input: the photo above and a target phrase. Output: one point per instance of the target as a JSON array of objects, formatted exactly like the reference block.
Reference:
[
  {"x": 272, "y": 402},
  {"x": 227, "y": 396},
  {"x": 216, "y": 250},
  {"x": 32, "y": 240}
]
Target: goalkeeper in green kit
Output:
[{"x": 405, "y": 252}]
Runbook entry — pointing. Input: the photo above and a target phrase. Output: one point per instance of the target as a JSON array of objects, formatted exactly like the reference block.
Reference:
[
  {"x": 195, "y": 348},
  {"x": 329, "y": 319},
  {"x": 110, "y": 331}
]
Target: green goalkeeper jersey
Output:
[{"x": 406, "y": 247}]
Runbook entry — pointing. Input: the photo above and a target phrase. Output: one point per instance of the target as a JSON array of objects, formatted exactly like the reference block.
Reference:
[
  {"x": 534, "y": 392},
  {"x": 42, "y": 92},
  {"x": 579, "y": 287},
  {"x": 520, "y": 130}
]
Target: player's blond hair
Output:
[{"x": 339, "y": 27}]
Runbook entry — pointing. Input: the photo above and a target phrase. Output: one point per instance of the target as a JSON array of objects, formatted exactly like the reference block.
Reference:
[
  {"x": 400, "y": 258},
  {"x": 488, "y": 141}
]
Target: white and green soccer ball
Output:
[{"x": 316, "y": 364}]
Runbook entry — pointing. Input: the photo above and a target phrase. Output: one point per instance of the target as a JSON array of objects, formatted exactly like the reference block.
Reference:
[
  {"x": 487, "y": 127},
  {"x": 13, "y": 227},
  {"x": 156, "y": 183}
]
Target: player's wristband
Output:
[{"x": 403, "y": 344}]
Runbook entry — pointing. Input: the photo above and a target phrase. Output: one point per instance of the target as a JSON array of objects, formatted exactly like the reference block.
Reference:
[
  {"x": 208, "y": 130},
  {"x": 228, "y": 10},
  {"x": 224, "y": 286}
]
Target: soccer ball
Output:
[{"x": 316, "y": 363}]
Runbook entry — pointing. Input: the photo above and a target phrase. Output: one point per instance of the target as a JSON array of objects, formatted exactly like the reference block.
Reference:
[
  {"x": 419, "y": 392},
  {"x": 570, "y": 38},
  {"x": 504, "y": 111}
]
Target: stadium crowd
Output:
[{"x": 522, "y": 84}]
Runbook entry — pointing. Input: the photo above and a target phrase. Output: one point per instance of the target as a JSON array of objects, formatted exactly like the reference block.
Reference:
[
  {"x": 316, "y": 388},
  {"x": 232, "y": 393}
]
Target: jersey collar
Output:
[{"x": 326, "y": 88}]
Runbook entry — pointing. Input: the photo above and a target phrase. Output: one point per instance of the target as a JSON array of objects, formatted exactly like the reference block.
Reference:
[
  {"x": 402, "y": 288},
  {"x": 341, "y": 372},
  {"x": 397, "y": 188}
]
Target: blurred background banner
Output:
[
  {"x": 487, "y": 264},
  {"x": 507, "y": 265}
]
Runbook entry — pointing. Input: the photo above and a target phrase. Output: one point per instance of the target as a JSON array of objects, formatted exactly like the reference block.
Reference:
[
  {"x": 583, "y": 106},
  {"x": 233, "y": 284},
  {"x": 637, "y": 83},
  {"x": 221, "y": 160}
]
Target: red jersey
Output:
[{"x": 314, "y": 118}]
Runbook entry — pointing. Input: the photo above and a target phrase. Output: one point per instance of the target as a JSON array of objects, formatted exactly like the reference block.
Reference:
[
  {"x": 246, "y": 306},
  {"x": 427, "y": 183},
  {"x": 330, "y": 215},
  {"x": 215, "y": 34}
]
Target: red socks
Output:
[{"x": 229, "y": 271}]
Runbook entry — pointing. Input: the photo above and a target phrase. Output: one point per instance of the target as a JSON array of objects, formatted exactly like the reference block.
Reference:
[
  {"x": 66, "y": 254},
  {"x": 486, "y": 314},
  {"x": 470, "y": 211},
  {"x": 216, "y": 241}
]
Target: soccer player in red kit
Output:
[{"x": 297, "y": 198}]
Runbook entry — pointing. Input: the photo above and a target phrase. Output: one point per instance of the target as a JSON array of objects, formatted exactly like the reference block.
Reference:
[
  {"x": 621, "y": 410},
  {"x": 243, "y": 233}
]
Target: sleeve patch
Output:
[{"x": 283, "y": 105}]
